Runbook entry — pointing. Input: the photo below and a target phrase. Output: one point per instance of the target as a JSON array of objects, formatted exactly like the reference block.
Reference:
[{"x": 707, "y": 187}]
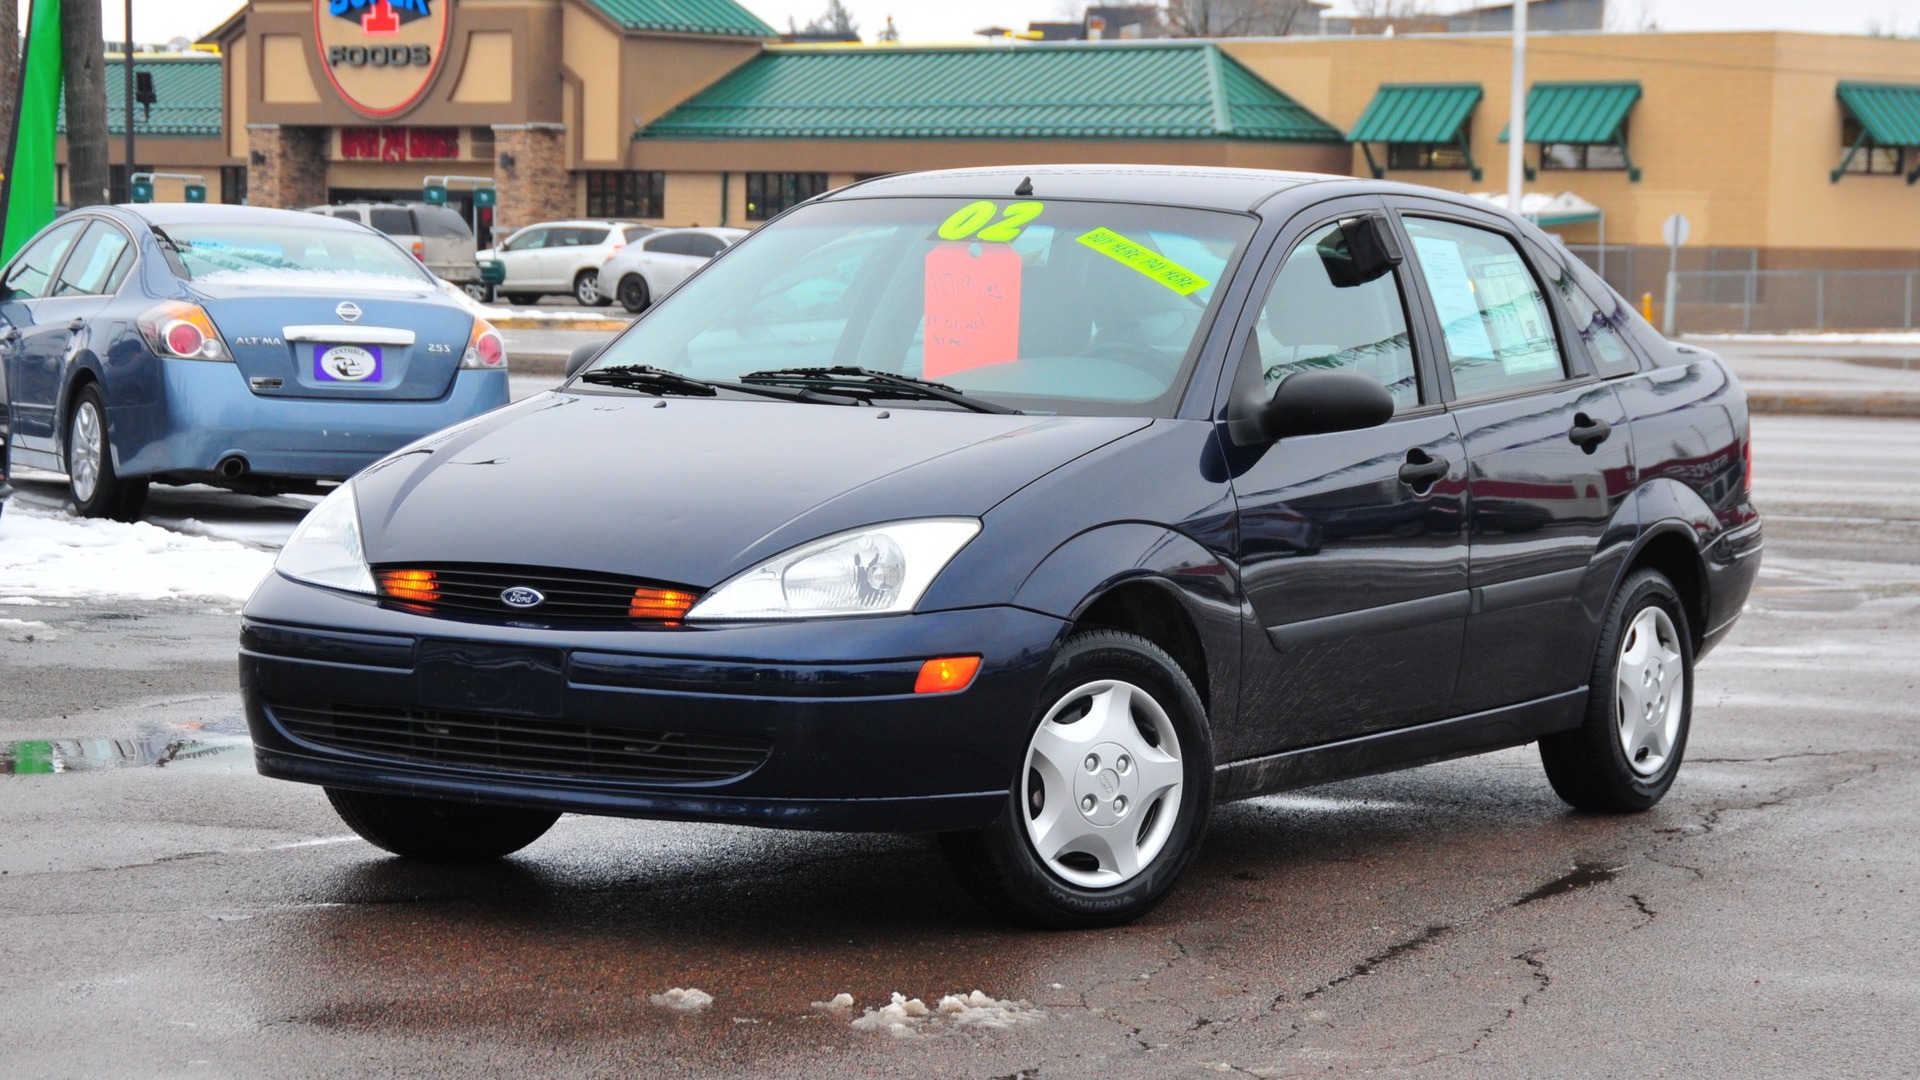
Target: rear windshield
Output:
[
  {"x": 233, "y": 252},
  {"x": 1059, "y": 306},
  {"x": 392, "y": 221},
  {"x": 440, "y": 223}
]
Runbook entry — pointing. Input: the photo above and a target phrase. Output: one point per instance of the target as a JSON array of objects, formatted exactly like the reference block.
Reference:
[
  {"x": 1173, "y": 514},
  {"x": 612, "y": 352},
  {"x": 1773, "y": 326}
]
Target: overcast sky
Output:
[{"x": 955, "y": 20}]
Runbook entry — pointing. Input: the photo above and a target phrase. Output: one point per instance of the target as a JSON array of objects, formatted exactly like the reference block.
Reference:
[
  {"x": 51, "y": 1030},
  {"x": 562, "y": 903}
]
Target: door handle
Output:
[
  {"x": 1588, "y": 433},
  {"x": 77, "y": 325},
  {"x": 1422, "y": 470}
]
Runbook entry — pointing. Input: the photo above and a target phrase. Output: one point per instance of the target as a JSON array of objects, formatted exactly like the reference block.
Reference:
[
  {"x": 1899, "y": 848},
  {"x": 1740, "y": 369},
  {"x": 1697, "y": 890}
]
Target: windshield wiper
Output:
[
  {"x": 869, "y": 384},
  {"x": 654, "y": 380}
]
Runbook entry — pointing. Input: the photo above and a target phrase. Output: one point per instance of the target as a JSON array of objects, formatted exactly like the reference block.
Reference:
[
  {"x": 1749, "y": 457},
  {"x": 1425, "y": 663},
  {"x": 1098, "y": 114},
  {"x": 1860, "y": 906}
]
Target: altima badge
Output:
[
  {"x": 348, "y": 311},
  {"x": 522, "y": 597}
]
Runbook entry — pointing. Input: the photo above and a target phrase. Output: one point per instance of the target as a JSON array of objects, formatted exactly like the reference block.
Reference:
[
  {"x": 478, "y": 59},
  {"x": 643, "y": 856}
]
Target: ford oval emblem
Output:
[
  {"x": 522, "y": 597},
  {"x": 348, "y": 311}
]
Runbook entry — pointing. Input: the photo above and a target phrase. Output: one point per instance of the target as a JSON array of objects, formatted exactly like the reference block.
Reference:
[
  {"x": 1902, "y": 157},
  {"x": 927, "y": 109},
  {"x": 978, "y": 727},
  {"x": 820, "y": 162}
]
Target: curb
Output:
[
  {"x": 519, "y": 322},
  {"x": 1784, "y": 403}
]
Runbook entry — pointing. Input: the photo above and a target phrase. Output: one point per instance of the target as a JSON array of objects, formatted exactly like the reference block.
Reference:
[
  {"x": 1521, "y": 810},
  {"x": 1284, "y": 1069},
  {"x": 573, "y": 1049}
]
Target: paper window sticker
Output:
[
  {"x": 1453, "y": 298},
  {"x": 972, "y": 308},
  {"x": 1144, "y": 260}
]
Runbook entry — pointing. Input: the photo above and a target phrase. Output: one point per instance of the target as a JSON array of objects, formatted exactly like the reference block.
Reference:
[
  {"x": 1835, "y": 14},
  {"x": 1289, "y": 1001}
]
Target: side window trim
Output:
[{"x": 1404, "y": 207}]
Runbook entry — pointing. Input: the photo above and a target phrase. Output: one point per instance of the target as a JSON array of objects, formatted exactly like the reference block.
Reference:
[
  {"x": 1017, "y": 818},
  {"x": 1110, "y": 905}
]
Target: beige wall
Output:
[
  {"x": 850, "y": 156},
  {"x": 1737, "y": 131}
]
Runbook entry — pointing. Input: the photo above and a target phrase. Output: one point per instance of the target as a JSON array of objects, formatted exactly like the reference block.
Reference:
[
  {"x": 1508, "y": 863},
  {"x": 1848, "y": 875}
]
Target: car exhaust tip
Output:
[{"x": 232, "y": 468}]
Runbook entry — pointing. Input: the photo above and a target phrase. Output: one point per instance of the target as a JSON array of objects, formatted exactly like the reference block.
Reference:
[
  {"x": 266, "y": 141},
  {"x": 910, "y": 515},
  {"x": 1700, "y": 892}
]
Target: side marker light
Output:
[{"x": 945, "y": 674}]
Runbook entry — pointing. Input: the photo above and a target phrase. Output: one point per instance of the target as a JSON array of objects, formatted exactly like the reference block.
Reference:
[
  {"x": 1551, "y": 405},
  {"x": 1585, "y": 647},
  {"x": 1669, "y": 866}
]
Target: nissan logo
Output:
[
  {"x": 350, "y": 312},
  {"x": 521, "y": 596}
]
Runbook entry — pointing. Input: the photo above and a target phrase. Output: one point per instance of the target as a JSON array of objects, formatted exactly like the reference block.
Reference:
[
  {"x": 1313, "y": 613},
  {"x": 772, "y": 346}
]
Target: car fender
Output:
[{"x": 1665, "y": 507}]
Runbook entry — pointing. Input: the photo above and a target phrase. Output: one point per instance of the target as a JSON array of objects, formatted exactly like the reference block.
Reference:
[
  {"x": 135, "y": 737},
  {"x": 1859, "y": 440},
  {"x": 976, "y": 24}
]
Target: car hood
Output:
[{"x": 692, "y": 491}]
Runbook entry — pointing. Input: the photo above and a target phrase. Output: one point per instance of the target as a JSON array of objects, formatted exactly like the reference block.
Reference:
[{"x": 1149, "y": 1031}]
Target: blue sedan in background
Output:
[{"x": 259, "y": 350}]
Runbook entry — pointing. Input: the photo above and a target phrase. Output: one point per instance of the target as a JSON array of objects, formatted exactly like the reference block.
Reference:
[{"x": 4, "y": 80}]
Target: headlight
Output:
[
  {"x": 326, "y": 550},
  {"x": 878, "y": 570}
]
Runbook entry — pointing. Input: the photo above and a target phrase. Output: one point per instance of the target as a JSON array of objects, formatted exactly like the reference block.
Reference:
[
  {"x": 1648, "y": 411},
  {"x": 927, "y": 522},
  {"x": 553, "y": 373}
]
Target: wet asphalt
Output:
[{"x": 166, "y": 912}]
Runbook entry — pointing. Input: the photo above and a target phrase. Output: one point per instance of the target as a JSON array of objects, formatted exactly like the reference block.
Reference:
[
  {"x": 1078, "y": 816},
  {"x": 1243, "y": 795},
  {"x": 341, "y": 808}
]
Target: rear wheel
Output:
[
  {"x": 434, "y": 830},
  {"x": 98, "y": 491},
  {"x": 478, "y": 292},
  {"x": 1624, "y": 757},
  {"x": 586, "y": 289},
  {"x": 1112, "y": 794},
  {"x": 634, "y": 295}
]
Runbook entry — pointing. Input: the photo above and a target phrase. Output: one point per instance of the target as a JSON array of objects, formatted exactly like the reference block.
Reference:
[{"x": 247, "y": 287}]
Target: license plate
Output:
[
  {"x": 459, "y": 676},
  {"x": 347, "y": 363}
]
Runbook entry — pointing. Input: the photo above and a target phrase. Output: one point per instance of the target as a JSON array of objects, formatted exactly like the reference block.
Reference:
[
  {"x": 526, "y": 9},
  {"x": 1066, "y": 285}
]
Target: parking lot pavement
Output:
[{"x": 168, "y": 912}]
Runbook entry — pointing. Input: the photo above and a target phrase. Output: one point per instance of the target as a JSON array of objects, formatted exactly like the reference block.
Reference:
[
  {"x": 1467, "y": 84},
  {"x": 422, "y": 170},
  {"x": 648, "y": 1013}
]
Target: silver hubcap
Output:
[
  {"x": 83, "y": 451},
  {"x": 1650, "y": 691},
  {"x": 586, "y": 290},
  {"x": 1102, "y": 784}
]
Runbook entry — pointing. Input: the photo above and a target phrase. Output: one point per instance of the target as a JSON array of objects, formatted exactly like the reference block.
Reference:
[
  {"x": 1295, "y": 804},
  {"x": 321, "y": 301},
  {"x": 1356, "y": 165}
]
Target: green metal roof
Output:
[
  {"x": 189, "y": 93},
  {"x": 719, "y": 17},
  {"x": 1416, "y": 113},
  {"x": 1186, "y": 91},
  {"x": 1889, "y": 111},
  {"x": 1577, "y": 112}
]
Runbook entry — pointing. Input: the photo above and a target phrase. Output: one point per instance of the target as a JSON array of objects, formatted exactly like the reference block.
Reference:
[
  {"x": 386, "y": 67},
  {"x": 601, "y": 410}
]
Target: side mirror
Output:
[
  {"x": 1317, "y": 402},
  {"x": 1363, "y": 249},
  {"x": 584, "y": 355}
]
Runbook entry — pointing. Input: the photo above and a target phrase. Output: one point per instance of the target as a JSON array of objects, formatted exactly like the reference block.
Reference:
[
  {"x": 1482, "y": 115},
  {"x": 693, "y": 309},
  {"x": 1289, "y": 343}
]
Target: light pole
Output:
[
  {"x": 126, "y": 69},
  {"x": 1517, "y": 126}
]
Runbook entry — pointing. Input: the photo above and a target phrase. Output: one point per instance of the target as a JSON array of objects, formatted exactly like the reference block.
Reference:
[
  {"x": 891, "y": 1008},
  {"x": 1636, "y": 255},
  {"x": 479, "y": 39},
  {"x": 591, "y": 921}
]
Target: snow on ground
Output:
[
  {"x": 905, "y": 1017},
  {"x": 683, "y": 1000},
  {"x": 46, "y": 553}
]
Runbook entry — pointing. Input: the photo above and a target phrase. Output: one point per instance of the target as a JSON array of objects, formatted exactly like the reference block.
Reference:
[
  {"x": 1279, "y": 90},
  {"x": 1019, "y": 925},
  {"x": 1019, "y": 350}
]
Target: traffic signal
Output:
[{"x": 435, "y": 194}]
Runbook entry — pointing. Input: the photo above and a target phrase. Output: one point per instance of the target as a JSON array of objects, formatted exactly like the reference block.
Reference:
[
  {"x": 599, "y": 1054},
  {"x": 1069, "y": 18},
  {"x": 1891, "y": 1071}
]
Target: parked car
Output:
[
  {"x": 260, "y": 350},
  {"x": 561, "y": 257},
  {"x": 435, "y": 235},
  {"x": 6, "y": 440},
  {"x": 641, "y": 273},
  {"x": 1041, "y": 509}
]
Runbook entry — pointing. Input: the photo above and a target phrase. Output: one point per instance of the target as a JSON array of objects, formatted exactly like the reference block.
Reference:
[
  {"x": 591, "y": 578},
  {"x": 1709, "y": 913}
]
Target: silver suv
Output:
[{"x": 437, "y": 236}]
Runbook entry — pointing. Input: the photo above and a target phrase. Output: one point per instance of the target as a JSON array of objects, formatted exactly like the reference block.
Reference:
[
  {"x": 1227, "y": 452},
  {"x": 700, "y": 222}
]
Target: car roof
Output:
[
  {"x": 1201, "y": 186},
  {"x": 723, "y": 231},
  {"x": 165, "y": 214},
  {"x": 583, "y": 223}
]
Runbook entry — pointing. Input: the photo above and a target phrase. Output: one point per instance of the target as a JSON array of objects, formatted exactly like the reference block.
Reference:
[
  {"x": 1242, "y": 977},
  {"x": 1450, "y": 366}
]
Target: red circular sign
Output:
[{"x": 382, "y": 55}]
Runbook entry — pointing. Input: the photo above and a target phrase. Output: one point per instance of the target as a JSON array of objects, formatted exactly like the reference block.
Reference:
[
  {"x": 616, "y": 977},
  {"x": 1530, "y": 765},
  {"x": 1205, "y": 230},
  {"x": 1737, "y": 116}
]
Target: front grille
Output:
[
  {"x": 508, "y": 744},
  {"x": 565, "y": 596}
]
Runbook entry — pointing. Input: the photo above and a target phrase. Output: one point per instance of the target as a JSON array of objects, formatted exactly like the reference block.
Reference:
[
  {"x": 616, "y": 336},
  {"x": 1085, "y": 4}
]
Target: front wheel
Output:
[
  {"x": 478, "y": 292},
  {"x": 433, "y": 830},
  {"x": 98, "y": 490},
  {"x": 1111, "y": 797},
  {"x": 633, "y": 293},
  {"x": 1624, "y": 757},
  {"x": 586, "y": 290}
]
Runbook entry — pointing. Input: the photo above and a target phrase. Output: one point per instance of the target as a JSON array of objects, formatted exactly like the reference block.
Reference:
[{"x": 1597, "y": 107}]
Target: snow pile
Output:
[
  {"x": 48, "y": 554},
  {"x": 683, "y": 1000},
  {"x": 22, "y": 630},
  {"x": 905, "y": 1017},
  {"x": 838, "y": 1001}
]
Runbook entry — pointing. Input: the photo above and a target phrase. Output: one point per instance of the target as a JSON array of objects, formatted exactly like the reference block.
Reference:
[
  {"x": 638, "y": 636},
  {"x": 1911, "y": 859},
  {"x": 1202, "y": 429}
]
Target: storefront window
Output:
[
  {"x": 1427, "y": 156},
  {"x": 768, "y": 194},
  {"x": 1872, "y": 158},
  {"x": 233, "y": 184},
  {"x": 626, "y": 194}
]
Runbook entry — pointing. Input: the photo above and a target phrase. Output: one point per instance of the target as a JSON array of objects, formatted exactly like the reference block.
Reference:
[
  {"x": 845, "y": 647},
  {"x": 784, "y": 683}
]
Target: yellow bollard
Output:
[{"x": 1646, "y": 306}]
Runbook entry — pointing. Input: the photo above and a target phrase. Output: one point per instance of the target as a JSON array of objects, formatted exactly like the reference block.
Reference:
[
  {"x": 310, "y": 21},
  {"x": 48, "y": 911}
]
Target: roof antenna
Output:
[{"x": 1025, "y": 189}]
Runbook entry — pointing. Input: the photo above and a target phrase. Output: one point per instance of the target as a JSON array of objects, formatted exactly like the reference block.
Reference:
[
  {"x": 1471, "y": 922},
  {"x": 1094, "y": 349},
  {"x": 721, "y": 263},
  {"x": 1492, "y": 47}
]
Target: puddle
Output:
[
  {"x": 39, "y": 757},
  {"x": 1581, "y": 876}
]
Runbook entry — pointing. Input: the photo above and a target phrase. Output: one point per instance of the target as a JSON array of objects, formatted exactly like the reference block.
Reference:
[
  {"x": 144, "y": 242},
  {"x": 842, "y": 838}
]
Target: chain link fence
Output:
[{"x": 1725, "y": 290}]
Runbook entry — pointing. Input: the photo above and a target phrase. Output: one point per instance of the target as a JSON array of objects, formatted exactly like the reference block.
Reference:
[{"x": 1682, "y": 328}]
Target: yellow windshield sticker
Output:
[
  {"x": 1145, "y": 260},
  {"x": 976, "y": 220}
]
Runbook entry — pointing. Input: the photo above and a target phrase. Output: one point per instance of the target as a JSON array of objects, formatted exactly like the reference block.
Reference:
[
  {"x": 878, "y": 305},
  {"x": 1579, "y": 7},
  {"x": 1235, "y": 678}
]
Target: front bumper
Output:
[
  {"x": 849, "y": 745},
  {"x": 206, "y": 413}
]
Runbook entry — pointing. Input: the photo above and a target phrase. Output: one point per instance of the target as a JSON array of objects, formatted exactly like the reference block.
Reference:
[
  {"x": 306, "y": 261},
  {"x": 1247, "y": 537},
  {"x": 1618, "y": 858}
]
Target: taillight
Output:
[
  {"x": 1746, "y": 462},
  {"x": 182, "y": 331},
  {"x": 486, "y": 350},
  {"x": 420, "y": 250}
]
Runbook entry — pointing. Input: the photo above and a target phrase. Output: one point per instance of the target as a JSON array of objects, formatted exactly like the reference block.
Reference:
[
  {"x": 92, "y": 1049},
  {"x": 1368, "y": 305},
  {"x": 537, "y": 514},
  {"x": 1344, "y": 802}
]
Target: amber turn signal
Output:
[
  {"x": 945, "y": 674},
  {"x": 667, "y": 604},
  {"x": 419, "y": 586}
]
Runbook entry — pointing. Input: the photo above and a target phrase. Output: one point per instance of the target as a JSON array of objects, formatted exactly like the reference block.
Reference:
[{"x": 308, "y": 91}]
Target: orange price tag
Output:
[{"x": 973, "y": 307}]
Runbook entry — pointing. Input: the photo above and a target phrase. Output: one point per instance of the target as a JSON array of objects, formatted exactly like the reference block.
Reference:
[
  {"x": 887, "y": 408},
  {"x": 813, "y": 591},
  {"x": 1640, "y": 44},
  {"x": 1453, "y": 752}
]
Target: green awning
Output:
[
  {"x": 1890, "y": 112},
  {"x": 1416, "y": 113},
  {"x": 1582, "y": 112}
]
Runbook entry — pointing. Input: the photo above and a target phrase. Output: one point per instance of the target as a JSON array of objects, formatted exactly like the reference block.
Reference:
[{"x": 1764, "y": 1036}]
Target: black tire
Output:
[
  {"x": 477, "y": 292},
  {"x": 1590, "y": 767},
  {"x": 98, "y": 491},
  {"x": 999, "y": 864},
  {"x": 434, "y": 830},
  {"x": 522, "y": 299},
  {"x": 634, "y": 295},
  {"x": 586, "y": 290}
]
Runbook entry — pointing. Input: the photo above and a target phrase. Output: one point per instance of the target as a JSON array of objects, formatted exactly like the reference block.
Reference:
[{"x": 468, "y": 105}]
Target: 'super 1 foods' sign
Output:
[{"x": 381, "y": 55}]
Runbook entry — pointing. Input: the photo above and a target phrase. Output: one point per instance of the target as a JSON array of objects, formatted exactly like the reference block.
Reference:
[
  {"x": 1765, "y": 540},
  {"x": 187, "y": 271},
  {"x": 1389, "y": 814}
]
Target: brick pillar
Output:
[
  {"x": 531, "y": 173},
  {"x": 286, "y": 166}
]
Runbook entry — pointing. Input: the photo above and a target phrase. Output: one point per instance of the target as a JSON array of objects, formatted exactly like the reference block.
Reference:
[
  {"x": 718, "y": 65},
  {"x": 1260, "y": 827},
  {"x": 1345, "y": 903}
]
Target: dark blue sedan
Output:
[
  {"x": 1042, "y": 509},
  {"x": 261, "y": 350}
]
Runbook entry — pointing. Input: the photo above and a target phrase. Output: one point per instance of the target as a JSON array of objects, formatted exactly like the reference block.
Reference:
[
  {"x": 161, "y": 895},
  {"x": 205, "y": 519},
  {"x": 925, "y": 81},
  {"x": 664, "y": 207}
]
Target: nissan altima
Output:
[
  {"x": 260, "y": 350},
  {"x": 1042, "y": 509}
]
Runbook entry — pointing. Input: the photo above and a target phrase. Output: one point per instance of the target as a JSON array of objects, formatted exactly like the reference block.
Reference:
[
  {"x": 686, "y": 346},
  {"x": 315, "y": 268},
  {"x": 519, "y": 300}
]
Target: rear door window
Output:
[
  {"x": 1494, "y": 319},
  {"x": 703, "y": 246},
  {"x": 394, "y": 221},
  {"x": 91, "y": 269},
  {"x": 33, "y": 272},
  {"x": 531, "y": 240},
  {"x": 635, "y": 232},
  {"x": 670, "y": 244}
]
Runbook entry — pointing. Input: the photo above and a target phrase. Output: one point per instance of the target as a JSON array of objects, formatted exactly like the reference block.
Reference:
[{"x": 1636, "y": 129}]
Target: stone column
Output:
[
  {"x": 286, "y": 166},
  {"x": 530, "y": 170}
]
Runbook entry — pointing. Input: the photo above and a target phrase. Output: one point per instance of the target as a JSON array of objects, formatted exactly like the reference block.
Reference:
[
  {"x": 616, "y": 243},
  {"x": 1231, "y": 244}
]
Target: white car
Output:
[
  {"x": 641, "y": 273},
  {"x": 561, "y": 257}
]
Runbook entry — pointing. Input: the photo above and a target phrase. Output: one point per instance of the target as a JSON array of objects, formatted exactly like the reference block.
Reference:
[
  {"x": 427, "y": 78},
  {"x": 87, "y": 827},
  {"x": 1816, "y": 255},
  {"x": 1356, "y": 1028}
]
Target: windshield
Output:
[
  {"x": 1071, "y": 307},
  {"x": 250, "y": 251}
]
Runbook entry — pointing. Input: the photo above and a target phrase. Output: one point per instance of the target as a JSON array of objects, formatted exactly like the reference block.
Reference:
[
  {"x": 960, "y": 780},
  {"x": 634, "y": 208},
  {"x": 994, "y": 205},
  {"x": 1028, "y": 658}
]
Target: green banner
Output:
[{"x": 32, "y": 182}]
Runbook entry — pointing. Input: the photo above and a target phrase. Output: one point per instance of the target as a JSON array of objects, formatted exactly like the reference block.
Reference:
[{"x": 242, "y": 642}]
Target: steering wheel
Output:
[{"x": 1135, "y": 355}]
